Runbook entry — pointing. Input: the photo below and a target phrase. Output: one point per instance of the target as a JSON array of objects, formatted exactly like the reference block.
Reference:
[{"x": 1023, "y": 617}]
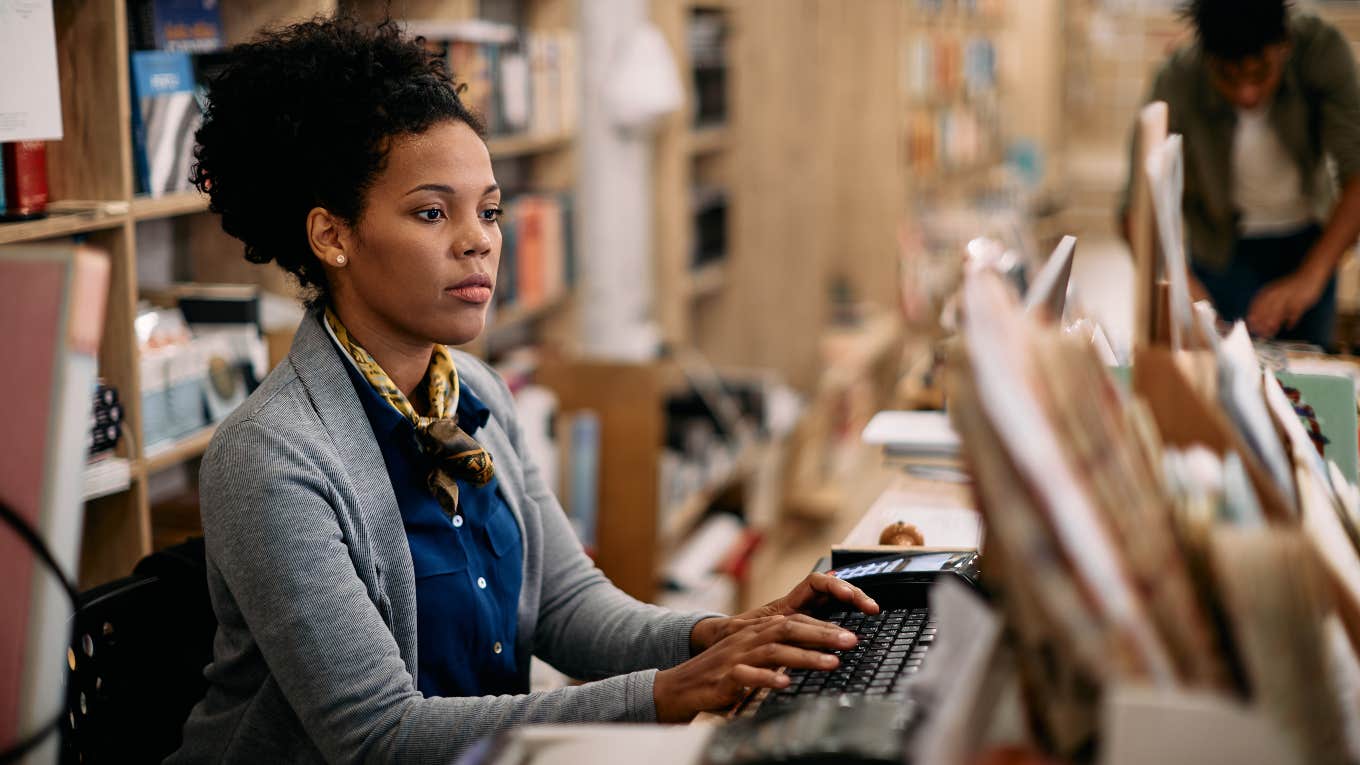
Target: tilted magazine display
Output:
[{"x": 1177, "y": 564}]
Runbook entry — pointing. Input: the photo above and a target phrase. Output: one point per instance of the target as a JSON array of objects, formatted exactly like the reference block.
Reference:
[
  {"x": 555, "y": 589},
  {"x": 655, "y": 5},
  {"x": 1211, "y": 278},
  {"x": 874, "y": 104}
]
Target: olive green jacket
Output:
[{"x": 1316, "y": 114}]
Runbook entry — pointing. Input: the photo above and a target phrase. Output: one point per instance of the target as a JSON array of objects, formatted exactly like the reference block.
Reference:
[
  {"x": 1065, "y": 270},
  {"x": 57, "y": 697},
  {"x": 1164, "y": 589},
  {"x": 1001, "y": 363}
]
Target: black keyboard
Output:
[{"x": 892, "y": 646}]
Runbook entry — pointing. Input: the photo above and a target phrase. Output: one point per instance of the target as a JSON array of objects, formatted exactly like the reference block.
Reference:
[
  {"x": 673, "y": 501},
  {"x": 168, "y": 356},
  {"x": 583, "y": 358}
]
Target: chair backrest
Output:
[{"x": 136, "y": 660}]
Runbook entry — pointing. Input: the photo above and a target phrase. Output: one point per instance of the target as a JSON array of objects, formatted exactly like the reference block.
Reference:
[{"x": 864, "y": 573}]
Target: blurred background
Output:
[{"x": 734, "y": 226}]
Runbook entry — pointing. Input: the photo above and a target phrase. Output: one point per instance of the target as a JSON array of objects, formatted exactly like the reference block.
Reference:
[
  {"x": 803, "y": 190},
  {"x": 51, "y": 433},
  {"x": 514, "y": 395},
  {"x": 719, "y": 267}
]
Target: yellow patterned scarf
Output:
[{"x": 455, "y": 453}]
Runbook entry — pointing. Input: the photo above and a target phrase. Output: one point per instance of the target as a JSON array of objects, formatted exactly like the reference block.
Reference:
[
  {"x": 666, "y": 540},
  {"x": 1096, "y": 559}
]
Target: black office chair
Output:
[{"x": 136, "y": 660}]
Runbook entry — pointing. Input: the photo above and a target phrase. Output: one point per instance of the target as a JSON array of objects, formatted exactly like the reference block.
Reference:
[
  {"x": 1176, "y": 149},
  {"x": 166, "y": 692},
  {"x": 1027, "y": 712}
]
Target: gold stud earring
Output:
[{"x": 339, "y": 260}]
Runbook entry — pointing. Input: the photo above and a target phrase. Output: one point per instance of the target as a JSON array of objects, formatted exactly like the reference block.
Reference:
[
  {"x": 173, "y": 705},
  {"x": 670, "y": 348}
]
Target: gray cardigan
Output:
[{"x": 311, "y": 579}]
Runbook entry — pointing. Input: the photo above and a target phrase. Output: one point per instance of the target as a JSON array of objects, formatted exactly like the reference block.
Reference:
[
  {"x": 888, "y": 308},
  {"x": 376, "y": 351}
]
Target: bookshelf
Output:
[
  {"x": 692, "y": 152},
  {"x": 91, "y": 182}
]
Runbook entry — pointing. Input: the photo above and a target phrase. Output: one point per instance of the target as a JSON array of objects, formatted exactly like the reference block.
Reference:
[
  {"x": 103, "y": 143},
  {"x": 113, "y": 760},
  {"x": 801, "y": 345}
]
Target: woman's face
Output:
[{"x": 426, "y": 249}]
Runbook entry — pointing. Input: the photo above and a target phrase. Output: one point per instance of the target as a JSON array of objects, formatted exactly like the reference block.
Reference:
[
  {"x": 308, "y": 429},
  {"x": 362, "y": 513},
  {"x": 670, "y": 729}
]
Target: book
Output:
[
  {"x": 2, "y": 184},
  {"x": 175, "y": 25},
  {"x": 165, "y": 116},
  {"x": 25, "y": 179},
  {"x": 583, "y": 465},
  {"x": 52, "y": 311},
  {"x": 529, "y": 250}
]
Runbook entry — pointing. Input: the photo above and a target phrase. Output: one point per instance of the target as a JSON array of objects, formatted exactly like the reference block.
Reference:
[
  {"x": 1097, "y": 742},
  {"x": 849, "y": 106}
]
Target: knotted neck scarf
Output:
[{"x": 455, "y": 454}]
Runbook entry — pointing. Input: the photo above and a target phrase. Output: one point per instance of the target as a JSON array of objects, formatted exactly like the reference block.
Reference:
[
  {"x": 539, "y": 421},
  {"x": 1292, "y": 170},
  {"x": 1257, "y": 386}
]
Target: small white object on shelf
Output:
[
  {"x": 923, "y": 434},
  {"x": 106, "y": 476}
]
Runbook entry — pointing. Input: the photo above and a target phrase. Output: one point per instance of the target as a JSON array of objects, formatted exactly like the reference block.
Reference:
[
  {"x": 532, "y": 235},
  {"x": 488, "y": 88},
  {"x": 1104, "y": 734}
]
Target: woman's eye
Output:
[
  {"x": 431, "y": 215},
  {"x": 493, "y": 213}
]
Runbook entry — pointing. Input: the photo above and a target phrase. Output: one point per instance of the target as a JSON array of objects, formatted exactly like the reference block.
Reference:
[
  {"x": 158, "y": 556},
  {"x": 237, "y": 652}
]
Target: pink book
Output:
[{"x": 52, "y": 301}]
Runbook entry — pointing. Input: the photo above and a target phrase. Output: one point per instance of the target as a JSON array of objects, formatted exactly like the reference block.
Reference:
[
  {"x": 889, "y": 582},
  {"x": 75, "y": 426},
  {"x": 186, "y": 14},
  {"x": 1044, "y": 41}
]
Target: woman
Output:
[{"x": 382, "y": 558}]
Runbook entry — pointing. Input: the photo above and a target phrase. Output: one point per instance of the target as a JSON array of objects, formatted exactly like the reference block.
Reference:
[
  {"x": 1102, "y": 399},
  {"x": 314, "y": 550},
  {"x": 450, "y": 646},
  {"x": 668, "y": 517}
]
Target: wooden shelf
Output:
[
  {"x": 168, "y": 206},
  {"x": 706, "y": 140},
  {"x": 707, "y": 279},
  {"x": 58, "y": 225},
  {"x": 678, "y": 522},
  {"x": 162, "y": 456},
  {"x": 507, "y": 147}
]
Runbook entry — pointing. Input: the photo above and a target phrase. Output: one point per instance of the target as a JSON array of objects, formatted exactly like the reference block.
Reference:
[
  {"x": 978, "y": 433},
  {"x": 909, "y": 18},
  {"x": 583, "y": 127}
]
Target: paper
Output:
[
  {"x": 1240, "y": 394},
  {"x": 1166, "y": 179},
  {"x": 1048, "y": 293},
  {"x": 906, "y": 433},
  {"x": 30, "y": 91}
]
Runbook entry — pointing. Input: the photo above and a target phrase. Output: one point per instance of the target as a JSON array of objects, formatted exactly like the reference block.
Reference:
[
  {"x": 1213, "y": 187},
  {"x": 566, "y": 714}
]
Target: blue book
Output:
[
  {"x": 165, "y": 116},
  {"x": 176, "y": 25},
  {"x": 585, "y": 475},
  {"x": 2, "y": 185}
]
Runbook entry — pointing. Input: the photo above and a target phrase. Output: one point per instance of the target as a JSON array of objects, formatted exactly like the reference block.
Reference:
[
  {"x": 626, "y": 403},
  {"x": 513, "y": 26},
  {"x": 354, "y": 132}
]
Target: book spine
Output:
[
  {"x": 25, "y": 179},
  {"x": 2, "y": 184}
]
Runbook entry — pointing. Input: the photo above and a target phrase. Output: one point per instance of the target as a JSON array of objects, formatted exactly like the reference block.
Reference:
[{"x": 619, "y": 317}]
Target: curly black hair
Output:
[
  {"x": 303, "y": 117},
  {"x": 1232, "y": 30}
]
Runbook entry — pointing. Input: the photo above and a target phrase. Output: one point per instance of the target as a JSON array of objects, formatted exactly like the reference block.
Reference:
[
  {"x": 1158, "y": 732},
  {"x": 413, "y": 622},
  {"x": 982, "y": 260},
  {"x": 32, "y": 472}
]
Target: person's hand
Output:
[
  {"x": 1280, "y": 304},
  {"x": 748, "y": 657},
  {"x": 815, "y": 592}
]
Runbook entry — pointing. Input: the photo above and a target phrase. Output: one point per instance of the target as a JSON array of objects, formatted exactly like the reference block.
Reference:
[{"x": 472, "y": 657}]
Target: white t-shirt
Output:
[{"x": 1267, "y": 187}]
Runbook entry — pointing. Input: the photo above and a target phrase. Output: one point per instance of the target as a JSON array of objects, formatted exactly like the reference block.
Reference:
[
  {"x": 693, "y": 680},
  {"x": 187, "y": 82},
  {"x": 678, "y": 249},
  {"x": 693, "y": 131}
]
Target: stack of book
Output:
[
  {"x": 519, "y": 82},
  {"x": 537, "y": 257},
  {"x": 172, "y": 42}
]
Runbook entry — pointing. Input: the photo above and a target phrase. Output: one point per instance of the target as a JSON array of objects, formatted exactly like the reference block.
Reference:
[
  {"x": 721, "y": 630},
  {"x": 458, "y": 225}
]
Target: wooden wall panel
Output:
[
  {"x": 817, "y": 186},
  {"x": 94, "y": 158}
]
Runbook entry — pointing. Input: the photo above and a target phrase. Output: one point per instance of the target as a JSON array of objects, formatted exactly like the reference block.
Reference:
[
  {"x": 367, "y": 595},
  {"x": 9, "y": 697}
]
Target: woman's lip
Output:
[
  {"x": 474, "y": 280},
  {"x": 471, "y": 294}
]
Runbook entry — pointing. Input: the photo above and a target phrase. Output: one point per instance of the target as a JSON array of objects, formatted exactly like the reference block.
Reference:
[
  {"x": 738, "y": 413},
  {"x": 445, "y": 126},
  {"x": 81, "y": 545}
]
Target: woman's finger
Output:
[
  {"x": 842, "y": 591},
  {"x": 809, "y": 633},
  {"x": 758, "y": 677},
  {"x": 785, "y": 655}
]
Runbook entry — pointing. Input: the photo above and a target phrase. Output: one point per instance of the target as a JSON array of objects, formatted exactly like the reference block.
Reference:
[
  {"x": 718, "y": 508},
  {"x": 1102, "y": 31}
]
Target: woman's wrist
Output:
[{"x": 706, "y": 632}]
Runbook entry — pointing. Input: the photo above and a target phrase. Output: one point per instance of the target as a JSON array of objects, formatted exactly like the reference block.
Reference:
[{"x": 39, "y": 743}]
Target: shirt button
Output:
[
  {"x": 481, "y": 583},
  {"x": 458, "y": 521},
  {"x": 496, "y": 647}
]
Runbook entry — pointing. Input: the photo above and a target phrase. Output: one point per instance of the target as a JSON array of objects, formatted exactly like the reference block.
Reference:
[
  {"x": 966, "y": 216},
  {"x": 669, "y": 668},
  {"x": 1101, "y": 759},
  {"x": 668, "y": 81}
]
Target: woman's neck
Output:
[{"x": 403, "y": 358}]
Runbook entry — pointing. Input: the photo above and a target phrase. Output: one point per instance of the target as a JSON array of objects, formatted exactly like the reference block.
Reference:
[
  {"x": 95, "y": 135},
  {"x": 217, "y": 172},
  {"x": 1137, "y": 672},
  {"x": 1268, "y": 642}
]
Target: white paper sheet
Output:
[{"x": 30, "y": 92}]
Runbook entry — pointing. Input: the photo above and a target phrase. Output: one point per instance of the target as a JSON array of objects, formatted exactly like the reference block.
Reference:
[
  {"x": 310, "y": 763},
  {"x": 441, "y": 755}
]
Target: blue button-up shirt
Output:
[{"x": 468, "y": 568}]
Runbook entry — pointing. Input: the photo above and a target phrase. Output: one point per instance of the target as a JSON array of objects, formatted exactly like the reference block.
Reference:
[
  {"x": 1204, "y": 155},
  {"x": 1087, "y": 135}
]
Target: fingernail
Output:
[
  {"x": 846, "y": 638},
  {"x": 829, "y": 661},
  {"x": 781, "y": 680}
]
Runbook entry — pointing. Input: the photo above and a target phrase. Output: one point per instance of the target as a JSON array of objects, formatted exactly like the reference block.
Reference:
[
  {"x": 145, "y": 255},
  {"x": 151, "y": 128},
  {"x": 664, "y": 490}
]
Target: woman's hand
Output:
[
  {"x": 814, "y": 592},
  {"x": 749, "y": 656}
]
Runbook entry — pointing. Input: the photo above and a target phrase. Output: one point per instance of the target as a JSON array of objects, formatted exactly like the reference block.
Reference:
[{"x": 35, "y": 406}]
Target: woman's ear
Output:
[{"x": 329, "y": 238}]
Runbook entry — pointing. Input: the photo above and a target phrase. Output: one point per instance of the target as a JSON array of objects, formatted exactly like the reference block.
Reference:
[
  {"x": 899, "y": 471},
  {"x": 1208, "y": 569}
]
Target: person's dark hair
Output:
[
  {"x": 303, "y": 117},
  {"x": 1232, "y": 30}
]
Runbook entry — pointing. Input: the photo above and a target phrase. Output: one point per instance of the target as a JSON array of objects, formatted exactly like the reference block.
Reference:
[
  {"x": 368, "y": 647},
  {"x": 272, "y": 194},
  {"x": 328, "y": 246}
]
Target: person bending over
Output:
[
  {"x": 1263, "y": 98},
  {"x": 383, "y": 555}
]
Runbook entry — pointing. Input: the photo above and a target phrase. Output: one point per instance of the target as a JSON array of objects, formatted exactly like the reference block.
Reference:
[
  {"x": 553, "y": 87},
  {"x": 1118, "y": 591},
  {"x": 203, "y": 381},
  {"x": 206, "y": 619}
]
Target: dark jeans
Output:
[{"x": 1258, "y": 261}]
